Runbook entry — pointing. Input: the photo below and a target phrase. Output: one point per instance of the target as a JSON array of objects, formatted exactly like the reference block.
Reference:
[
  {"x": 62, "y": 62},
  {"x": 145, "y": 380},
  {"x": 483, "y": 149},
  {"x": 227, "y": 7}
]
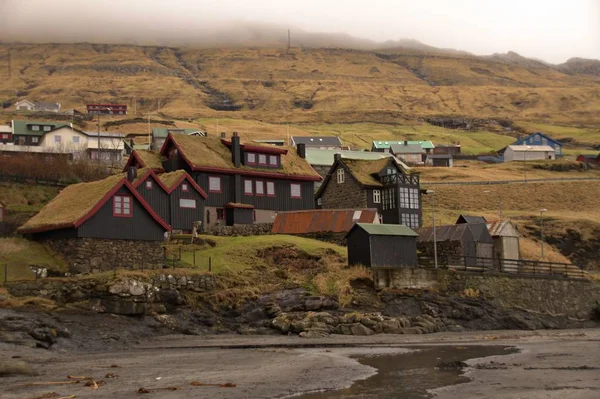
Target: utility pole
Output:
[
  {"x": 149, "y": 133},
  {"x": 9, "y": 65},
  {"x": 289, "y": 46},
  {"x": 98, "y": 150}
]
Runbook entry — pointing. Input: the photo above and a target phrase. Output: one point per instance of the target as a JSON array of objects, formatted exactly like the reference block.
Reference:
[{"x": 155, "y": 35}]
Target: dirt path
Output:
[{"x": 274, "y": 367}]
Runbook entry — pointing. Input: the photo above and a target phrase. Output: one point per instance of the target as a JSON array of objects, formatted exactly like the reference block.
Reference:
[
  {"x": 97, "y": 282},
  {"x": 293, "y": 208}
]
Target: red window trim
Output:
[
  {"x": 276, "y": 164},
  {"x": 291, "y": 195},
  {"x": 220, "y": 190},
  {"x": 267, "y": 190},
  {"x": 263, "y": 163},
  {"x": 262, "y": 182},
  {"x": 255, "y": 160},
  {"x": 251, "y": 187},
  {"x": 185, "y": 187},
  {"x": 149, "y": 185},
  {"x": 122, "y": 215}
]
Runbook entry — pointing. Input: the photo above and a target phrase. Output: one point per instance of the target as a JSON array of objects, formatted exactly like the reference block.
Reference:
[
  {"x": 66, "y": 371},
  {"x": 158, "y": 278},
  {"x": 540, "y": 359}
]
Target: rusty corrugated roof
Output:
[{"x": 322, "y": 220}]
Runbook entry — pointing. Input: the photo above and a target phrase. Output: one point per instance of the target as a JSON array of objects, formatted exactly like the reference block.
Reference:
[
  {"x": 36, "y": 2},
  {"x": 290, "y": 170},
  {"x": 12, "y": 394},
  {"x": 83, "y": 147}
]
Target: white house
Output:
[
  {"x": 528, "y": 153},
  {"x": 84, "y": 144},
  {"x": 37, "y": 106}
]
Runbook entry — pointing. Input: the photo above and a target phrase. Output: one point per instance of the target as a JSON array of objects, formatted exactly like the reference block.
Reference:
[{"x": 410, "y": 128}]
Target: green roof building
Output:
[
  {"x": 384, "y": 146},
  {"x": 31, "y": 132}
]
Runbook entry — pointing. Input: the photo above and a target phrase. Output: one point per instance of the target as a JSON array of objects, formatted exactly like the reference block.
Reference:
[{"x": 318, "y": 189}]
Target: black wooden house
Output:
[
  {"x": 382, "y": 245},
  {"x": 383, "y": 184},
  {"x": 268, "y": 178}
]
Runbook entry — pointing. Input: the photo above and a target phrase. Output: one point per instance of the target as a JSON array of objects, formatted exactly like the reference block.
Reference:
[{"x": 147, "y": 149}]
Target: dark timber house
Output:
[
  {"x": 141, "y": 159},
  {"x": 382, "y": 245},
  {"x": 243, "y": 175},
  {"x": 100, "y": 226},
  {"x": 382, "y": 184},
  {"x": 186, "y": 200}
]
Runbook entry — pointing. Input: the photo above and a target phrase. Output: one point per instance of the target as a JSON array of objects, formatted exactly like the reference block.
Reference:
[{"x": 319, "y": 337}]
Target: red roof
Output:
[{"x": 321, "y": 220}]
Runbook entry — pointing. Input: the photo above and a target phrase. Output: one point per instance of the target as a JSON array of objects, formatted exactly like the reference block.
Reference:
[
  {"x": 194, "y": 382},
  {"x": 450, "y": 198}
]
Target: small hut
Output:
[
  {"x": 506, "y": 239},
  {"x": 239, "y": 214},
  {"x": 380, "y": 245},
  {"x": 471, "y": 242}
]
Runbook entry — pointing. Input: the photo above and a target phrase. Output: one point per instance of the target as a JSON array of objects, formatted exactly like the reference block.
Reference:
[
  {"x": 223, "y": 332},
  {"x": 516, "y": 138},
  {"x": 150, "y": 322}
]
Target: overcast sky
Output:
[{"x": 553, "y": 30}]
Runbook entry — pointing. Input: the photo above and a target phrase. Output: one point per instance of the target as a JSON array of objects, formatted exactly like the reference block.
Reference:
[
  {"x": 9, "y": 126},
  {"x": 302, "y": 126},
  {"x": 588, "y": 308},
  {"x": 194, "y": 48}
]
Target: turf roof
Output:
[
  {"x": 364, "y": 170},
  {"x": 150, "y": 159},
  {"x": 170, "y": 179},
  {"x": 71, "y": 204},
  {"x": 210, "y": 152}
]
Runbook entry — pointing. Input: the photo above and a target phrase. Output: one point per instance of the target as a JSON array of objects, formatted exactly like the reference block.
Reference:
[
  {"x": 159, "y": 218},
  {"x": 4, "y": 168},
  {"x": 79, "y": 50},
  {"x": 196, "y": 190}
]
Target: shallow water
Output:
[{"x": 410, "y": 375}]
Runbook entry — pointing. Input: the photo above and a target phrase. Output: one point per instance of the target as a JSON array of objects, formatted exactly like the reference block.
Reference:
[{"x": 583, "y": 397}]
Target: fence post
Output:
[
  {"x": 6, "y": 273},
  {"x": 210, "y": 263},
  {"x": 194, "y": 258}
]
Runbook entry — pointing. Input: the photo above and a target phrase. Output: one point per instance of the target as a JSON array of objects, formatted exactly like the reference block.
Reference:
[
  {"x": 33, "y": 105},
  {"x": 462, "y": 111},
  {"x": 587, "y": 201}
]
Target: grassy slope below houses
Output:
[{"x": 18, "y": 254}]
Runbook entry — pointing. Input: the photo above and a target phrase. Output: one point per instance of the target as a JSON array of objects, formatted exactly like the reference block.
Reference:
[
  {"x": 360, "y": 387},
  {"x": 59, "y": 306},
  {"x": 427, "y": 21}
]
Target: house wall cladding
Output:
[
  {"x": 157, "y": 198},
  {"x": 348, "y": 194},
  {"x": 93, "y": 255},
  {"x": 184, "y": 218}
]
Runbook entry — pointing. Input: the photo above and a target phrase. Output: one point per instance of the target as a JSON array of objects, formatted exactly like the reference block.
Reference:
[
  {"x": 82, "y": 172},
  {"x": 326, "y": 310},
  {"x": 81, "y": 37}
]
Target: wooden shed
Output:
[
  {"x": 471, "y": 243},
  {"x": 506, "y": 239},
  {"x": 374, "y": 245},
  {"x": 239, "y": 214}
]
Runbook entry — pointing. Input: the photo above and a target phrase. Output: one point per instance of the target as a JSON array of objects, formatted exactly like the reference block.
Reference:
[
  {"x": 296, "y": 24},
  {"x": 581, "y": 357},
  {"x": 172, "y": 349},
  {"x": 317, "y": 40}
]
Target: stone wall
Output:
[
  {"x": 445, "y": 249},
  {"x": 121, "y": 295},
  {"x": 555, "y": 296},
  {"x": 257, "y": 229},
  {"x": 346, "y": 195},
  {"x": 94, "y": 255}
]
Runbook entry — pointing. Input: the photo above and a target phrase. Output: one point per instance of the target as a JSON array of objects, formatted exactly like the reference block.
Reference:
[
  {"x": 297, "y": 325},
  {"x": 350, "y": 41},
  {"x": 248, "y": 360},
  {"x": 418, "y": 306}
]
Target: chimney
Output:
[
  {"x": 301, "y": 150},
  {"x": 223, "y": 135},
  {"x": 236, "y": 150},
  {"x": 337, "y": 156},
  {"x": 131, "y": 174}
]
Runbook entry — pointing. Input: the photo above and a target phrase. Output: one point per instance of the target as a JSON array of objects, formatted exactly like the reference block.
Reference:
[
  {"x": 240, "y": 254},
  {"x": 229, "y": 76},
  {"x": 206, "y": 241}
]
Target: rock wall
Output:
[
  {"x": 94, "y": 255},
  {"x": 346, "y": 195},
  {"x": 121, "y": 295},
  {"x": 241, "y": 230}
]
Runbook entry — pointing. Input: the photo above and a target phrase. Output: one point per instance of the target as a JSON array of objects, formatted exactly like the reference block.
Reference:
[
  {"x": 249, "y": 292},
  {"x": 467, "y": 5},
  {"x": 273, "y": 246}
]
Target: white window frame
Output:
[
  {"x": 295, "y": 187},
  {"x": 214, "y": 184},
  {"x": 47, "y": 128},
  {"x": 35, "y": 140},
  {"x": 261, "y": 184},
  {"x": 35, "y": 127},
  {"x": 185, "y": 187},
  {"x": 251, "y": 158},
  {"x": 149, "y": 185},
  {"x": 260, "y": 157},
  {"x": 187, "y": 203},
  {"x": 270, "y": 189},
  {"x": 248, "y": 187},
  {"x": 273, "y": 160},
  {"x": 377, "y": 196},
  {"x": 320, "y": 201},
  {"x": 341, "y": 176}
]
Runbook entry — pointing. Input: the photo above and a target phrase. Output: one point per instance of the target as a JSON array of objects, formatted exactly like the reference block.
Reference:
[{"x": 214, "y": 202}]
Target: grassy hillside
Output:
[
  {"x": 305, "y": 85},
  {"x": 18, "y": 254}
]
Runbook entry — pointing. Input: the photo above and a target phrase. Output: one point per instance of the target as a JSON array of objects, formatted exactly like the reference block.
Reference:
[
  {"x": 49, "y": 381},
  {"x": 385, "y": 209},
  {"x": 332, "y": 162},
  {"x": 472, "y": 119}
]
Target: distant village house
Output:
[
  {"x": 320, "y": 142},
  {"x": 37, "y": 106}
]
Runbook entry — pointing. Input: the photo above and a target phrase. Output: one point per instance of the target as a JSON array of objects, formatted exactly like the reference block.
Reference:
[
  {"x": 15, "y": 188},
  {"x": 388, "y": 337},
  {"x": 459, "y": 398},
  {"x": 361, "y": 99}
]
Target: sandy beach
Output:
[{"x": 550, "y": 364}]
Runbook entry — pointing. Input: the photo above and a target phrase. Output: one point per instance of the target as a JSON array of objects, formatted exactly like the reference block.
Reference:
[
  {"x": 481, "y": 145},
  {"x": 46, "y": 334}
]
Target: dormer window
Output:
[
  {"x": 273, "y": 160},
  {"x": 340, "y": 175},
  {"x": 251, "y": 158},
  {"x": 184, "y": 188},
  {"x": 262, "y": 160},
  {"x": 35, "y": 127},
  {"x": 47, "y": 128},
  {"x": 149, "y": 185},
  {"x": 391, "y": 171}
]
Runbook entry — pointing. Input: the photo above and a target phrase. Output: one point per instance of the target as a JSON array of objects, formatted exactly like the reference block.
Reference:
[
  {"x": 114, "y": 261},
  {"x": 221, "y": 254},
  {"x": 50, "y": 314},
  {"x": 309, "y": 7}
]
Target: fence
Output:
[
  {"x": 511, "y": 267},
  {"x": 34, "y": 180},
  {"x": 495, "y": 182}
]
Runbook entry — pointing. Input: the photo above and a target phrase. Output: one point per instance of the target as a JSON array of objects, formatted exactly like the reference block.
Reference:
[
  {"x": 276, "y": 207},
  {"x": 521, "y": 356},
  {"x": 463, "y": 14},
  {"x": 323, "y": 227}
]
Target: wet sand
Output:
[{"x": 552, "y": 364}]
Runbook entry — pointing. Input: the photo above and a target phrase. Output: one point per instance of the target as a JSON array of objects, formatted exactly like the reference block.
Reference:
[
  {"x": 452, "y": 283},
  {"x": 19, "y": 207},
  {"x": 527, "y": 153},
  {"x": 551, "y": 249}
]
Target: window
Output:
[
  {"x": 220, "y": 213},
  {"x": 377, "y": 196},
  {"x": 248, "y": 187},
  {"x": 35, "y": 127},
  {"x": 185, "y": 188},
  {"x": 414, "y": 198},
  {"x": 411, "y": 220},
  {"x": 57, "y": 139},
  {"x": 251, "y": 158},
  {"x": 295, "y": 190},
  {"x": 187, "y": 203},
  {"x": 75, "y": 139},
  {"x": 47, "y": 128},
  {"x": 260, "y": 188},
  {"x": 149, "y": 184},
  {"x": 319, "y": 201},
  {"x": 273, "y": 160},
  {"x": 214, "y": 184},
  {"x": 544, "y": 141},
  {"x": 122, "y": 206},
  {"x": 340, "y": 175},
  {"x": 537, "y": 138},
  {"x": 270, "y": 189},
  {"x": 35, "y": 140},
  {"x": 262, "y": 159}
]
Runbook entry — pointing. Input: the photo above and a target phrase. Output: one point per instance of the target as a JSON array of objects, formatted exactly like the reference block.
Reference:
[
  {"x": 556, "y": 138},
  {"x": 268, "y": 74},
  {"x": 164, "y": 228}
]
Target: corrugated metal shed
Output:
[
  {"x": 455, "y": 232},
  {"x": 322, "y": 220},
  {"x": 387, "y": 230},
  {"x": 470, "y": 219}
]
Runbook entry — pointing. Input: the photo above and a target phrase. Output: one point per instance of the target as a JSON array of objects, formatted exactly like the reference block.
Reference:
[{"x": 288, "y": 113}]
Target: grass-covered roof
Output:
[
  {"x": 211, "y": 152},
  {"x": 70, "y": 205},
  {"x": 364, "y": 171},
  {"x": 172, "y": 178},
  {"x": 150, "y": 159}
]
